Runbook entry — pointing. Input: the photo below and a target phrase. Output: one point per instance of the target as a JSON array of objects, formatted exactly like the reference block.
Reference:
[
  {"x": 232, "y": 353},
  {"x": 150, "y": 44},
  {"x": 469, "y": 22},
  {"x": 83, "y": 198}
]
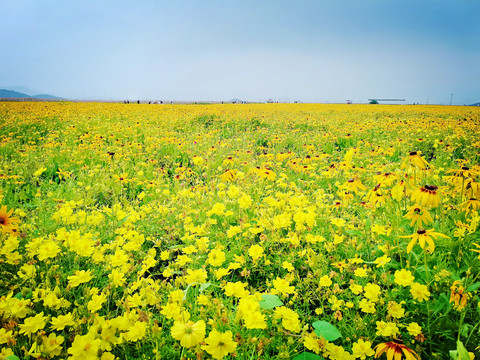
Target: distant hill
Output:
[
  {"x": 11, "y": 94},
  {"x": 476, "y": 104}
]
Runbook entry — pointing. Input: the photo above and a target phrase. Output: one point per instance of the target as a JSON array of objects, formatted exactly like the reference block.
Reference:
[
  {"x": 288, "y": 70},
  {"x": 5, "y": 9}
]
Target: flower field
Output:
[{"x": 260, "y": 231}]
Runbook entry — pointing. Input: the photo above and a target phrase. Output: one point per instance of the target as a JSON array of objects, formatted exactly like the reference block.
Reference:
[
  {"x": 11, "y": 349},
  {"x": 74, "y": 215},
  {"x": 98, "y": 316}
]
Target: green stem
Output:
[
  {"x": 428, "y": 303},
  {"x": 462, "y": 317},
  {"x": 461, "y": 192}
]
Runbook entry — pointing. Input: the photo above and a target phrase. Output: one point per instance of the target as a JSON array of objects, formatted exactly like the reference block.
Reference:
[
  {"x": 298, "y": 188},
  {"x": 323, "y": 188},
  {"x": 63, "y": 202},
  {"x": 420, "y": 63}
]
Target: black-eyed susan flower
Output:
[
  {"x": 427, "y": 195},
  {"x": 414, "y": 160},
  {"x": 395, "y": 350},
  {"x": 229, "y": 175},
  {"x": 8, "y": 223},
  {"x": 470, "y": 206},
  {"x": 423, "y": 237},
  {"x": 418, "y": 215}
]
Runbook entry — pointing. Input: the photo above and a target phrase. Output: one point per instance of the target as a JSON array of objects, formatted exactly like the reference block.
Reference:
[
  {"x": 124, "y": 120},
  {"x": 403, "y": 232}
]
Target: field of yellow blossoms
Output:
[{"x": 260, "y": 231}]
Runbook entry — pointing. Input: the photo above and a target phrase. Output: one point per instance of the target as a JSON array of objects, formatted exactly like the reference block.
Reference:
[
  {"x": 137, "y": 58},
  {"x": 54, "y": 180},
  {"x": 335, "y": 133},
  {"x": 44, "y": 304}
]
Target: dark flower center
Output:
[
  {"x": 412, "y": 153},
  {"x": 465, "y": 168},
  {"x": 421, "y": 231},
  {"x": 2, "y": 220},
  {"x": 431, "y": 187}
]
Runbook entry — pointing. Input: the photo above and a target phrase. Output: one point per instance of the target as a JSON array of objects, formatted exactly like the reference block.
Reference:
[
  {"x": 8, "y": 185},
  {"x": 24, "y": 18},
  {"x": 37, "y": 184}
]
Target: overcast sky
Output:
[{"x": 311, "y": 51}]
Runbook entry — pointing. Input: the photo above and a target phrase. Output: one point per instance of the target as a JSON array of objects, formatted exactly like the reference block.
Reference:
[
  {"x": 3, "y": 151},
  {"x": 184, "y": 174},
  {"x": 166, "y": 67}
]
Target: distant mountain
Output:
[
  {"x": 476, "y": 104},
  {"x": 21, "y": 89},
  {"x": 11, "y": 94}
]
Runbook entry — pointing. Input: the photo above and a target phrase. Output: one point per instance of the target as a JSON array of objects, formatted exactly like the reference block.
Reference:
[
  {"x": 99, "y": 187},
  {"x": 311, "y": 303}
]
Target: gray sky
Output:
[{"x": 311, "y": 51}]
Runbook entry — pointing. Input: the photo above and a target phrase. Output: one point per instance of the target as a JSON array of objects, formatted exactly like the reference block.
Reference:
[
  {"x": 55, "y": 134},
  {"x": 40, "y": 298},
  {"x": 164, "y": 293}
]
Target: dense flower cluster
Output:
[{"x": 284, "y": 231}]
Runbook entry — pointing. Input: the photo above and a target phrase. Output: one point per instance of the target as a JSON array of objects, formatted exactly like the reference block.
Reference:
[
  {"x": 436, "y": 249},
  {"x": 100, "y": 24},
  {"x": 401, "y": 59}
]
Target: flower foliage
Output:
[{"x": 238, "y": 231}]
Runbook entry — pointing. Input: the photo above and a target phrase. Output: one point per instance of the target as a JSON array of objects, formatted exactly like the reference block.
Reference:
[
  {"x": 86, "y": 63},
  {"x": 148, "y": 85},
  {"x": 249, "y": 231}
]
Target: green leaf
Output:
[
  {"x": 441, "y": 303},
  {"x": 307, "y": 356},
  {"x": 473, "y": 287},
  {"x": 204, "y": 286},
  {"x": 12, "y": 357},
  {"x": 453, "y": 354},
  {"x": 326, "y": 330},
  {"x": 462, "y": 352},
  {"x": 354, "y": 233},
  {"x": 270, "y": 301}
]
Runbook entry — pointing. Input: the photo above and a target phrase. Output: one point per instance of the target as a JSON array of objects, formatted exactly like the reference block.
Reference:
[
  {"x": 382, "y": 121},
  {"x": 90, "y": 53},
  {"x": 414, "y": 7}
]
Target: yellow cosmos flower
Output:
[
  {"x": 419, "y": 292},
  {"x": 188, "y": 333},
  {"x": 219, "y": 344},
  {"x": 361, "y": 349},
  {"x": 404, "y": 277},
  {"x": 80, "y": 277},
  {"x": 33, "y": 324},
  {"x": 59, "y": 323},
  {"x": 85, "y": 347},
  {"x": 52, "y": 345}
]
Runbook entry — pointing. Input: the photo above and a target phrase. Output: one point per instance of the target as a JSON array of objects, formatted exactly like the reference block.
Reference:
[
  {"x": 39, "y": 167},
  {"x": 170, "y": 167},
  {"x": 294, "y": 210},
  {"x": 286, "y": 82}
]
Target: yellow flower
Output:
[
  {"x": 5, "y": 336},
  {"x": 256, "y": 252},
  {"x": 60, "y": 322},
  {"x": 426, "y": 195},
  {"x": 80, "y": 277},
  {"x": 96, "y": 302},
  {"x": 8, "y": 223},
  {"x": 361, "y": 349},
  {"x": 219, "y": 344},
  {"x": 229, "y": 175},
  {"x": 245, "y": 201},
  {"x": 325, "y": 281},
  {"x": 48, "y": 249},
  {"x": 458, "y": 295},
  {"x": 198, "y": 276},
  {"x": 414, "y": 160},
  {"x": 288, "y": 266},
  {"x": 216, "y": 257},
  {"x": 423, "y": 236},
  {"x": 395, "y": 350},
  {"x": 236, "y": 289},
  {"x": 404, "y": 277},
  {"x": 386, "y": 329},
  {"x": 414, "y": 329},
  {"x": 419, "y": 292},
  {"x": 419, "y": 216},
  {"x": 33, "y": 324},
  {"x": 255, "y": 320},
  {"x": 85, "y": 347},
  {"x": 283, "y": 286},
  {"x": 52, "y": 344},
  {"x": 372, "y": 292},
  {"x": 136, "y": 332},
  {"x": 395, "y": 310},
  {"x": 188, "y": 333}
]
